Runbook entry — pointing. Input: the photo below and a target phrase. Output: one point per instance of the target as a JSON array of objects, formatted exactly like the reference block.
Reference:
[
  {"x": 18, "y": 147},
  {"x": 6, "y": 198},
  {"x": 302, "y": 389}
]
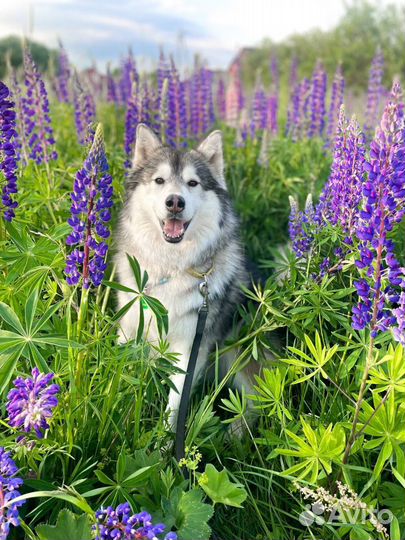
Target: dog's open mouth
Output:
[{"x": 174, "y": 229}]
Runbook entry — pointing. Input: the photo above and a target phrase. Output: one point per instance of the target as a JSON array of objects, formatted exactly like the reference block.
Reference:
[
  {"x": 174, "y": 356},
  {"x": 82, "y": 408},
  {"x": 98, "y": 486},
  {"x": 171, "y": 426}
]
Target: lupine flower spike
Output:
[
  {"x": 31, "y": 402},
  {"x": 36, "y": 110},
  {"x": 374, "y": 93},
  {"x": 122, "y": 524},
  {"x": 8, "y": 156},
  {"x": 85, "y": 111},
  {"x": 382, "y": 283},
  {"x": 9, "y": 485},
  {"x": 91, "y": 203}
]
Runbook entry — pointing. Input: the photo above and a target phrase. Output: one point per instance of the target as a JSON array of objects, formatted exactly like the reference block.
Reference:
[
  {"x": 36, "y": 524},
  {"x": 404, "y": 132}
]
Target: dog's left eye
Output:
[{"x": 192, "y": 183}]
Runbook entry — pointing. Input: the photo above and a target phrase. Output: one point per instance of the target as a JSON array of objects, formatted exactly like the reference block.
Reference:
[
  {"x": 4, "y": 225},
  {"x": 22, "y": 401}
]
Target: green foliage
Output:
[
  {"x": 318, "y": 450},
  {"x": 68, "y": 526},
  {"x": 220, "y": 489},
  {"x": 189, "y": 514},
  {"x": 108, "y": 441},
  {"x": 11, "y": 51},
  {"x": 353, "y": 42}
]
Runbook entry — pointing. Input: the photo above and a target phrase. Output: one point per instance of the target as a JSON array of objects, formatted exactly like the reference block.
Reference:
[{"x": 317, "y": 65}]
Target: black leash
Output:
[{"x": 185, "y": 395}]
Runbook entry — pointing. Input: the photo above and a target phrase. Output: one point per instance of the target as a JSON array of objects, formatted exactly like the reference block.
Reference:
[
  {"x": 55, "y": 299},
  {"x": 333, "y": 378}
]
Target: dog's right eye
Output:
[{"x": 159, "y": 180}]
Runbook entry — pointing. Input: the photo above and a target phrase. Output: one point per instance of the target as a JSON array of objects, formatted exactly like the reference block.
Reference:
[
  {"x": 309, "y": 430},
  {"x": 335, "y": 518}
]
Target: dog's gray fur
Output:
[{"x": 211, "y": 238}]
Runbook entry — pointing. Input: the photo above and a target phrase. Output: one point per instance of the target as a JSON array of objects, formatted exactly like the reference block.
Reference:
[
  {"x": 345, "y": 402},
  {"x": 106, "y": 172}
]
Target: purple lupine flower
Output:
[
  {"x": 8, "y": 156},
  {"x": 131, "y": 121},
  {"x": 163, "y": 72},
  {"x": 21, "y": 142},
  {"x": 259, "y": 110},
  {"x": 63, "y": 78},
  {"x": 91, "y": 203},
  {"x": 9, "y": 486},
  {"x": 163, "y": 111},
  {"x": 177, "y": 119},
  {"x": 317, "y": 103},
  {"x": 121, "y": 524},
  {"x": 85, "y": 112},
  {"x": 129, "y": 75},
  {"x": 196, "y": 103},
  {"x": 399, "y": 314},
  {"x": 342, "y": 194},
  {"x": 221, "y": 100},
  {"x": 36, "y": 110},
  {"x": 31, "y": 402},
  {"x": 272, "y": 114},
  {"x": 374, "y": 93},
  {"x": 297, "y": 116},
  {"x": 301, "y": 224},
  {"x": 382, "y": 278},
  {"x": 112, "y": 92},
  {"x": 294, "y": 73},
  {"x": 336, "y": 100}
]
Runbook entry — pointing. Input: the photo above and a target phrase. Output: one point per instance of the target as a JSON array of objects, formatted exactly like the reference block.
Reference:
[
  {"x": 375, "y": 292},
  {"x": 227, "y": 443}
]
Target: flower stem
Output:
[{"x": 84, "y": 302}]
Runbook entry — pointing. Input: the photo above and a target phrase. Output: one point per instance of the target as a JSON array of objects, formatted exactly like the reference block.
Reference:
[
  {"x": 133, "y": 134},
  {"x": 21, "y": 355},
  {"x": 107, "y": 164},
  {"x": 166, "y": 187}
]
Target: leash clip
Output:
[{"x": 203, "y": 289}]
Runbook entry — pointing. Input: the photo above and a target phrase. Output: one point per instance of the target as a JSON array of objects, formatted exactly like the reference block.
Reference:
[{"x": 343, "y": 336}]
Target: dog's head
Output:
[{"x": 178, "y": 197}]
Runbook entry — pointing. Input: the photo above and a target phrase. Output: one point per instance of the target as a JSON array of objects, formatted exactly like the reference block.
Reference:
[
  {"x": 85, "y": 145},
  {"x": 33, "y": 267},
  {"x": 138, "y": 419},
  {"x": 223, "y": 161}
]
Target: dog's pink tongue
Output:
[{"x": 173, "y": 227}]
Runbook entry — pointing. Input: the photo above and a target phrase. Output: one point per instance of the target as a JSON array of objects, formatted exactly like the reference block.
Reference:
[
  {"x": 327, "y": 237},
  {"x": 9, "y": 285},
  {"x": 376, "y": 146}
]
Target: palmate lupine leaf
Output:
[
  {"x": 320, "y": 356},
  {"x": 317, "y": 450},
  {"x": 385, "y": 422},
  {"x": 269, "y": 393},
  {"x": 28, "y": 337},
  {"x": 389, "y": 374}
]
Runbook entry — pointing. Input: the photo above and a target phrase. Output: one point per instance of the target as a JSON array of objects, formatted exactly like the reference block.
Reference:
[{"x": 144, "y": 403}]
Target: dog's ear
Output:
[
  {"x": 211, "y": 149},
  {"x": 146, "y": 143}
]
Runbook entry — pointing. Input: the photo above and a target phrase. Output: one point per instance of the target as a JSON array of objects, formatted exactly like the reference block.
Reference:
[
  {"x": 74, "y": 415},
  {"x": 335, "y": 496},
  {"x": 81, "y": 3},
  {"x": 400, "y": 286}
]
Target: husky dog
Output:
[{"x": 179, "y": 223}]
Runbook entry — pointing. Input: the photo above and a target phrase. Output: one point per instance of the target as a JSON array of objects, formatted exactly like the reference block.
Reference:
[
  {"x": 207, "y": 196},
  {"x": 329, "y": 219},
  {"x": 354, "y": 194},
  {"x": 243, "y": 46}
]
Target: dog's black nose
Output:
[{"x": 175, "y": 204}]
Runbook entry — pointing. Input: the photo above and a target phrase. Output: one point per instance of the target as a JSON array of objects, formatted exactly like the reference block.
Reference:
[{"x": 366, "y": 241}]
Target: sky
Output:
[{"x": 102, "y": 31}]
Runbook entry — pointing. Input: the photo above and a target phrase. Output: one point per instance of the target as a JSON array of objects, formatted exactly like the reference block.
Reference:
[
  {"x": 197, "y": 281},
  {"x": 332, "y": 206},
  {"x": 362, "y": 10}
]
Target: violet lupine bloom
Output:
[
  {"x": 122, "y": 524},
  {"x": 300, "y": 228},
  {"x": 399, "y": 314},
  {"x": 129, "y": 75},
  {"x": 36, "y": 110},
  {"x": 336, "y": 100},
  {"x": 177, "y": 114},
  {"x": 382, "y": 278},
  {"x": 31, "y": 402},
  {"x": 374, "y": 93},
  {"x": 85, "y": 112},
  {"x": 294, "y": 73},
  {"x": 221, "y": 100},
  {"x": 259, "y": 110},
  {"x": 132, "y": 118},
  {"x": 8, "y": 156},
  {"x": 63, "y": 78},
  {"x": 9, "y": 486},
  {"x": 21, "y": 142},
  {"x": 297, "y": 117},
  {"x": 112, "y": 92},
  {"x": 317, "y": 102},
  {"x": 272, "y": 112},
  {"x": 91, "y": 203},
  {"x": 342, "y": 194},
  {"x": 163, "y": 72}
]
